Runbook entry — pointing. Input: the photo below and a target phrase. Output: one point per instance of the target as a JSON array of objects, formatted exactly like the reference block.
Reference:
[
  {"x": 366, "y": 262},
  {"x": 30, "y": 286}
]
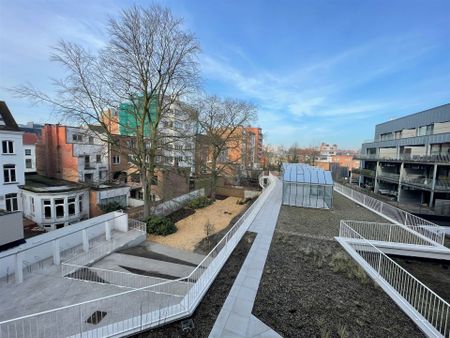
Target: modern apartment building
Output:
[
  {"x": 11, "y": 160},
  {"x": 409, "y": 159}
]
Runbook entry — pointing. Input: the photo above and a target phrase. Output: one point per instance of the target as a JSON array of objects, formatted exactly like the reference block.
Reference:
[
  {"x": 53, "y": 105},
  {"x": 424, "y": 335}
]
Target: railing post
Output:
[
  {"x": 19, "y": 268},
  {"x": 381, "y": 207},
  {"x": 406, "y": 218},
  {"x": 379, "y": 263},
  {"x": 108, "y": 231},
  {"x": 85, "y": 241},
  {"x": 390, "y": 231},
  {"x": 56, "y": 252}
]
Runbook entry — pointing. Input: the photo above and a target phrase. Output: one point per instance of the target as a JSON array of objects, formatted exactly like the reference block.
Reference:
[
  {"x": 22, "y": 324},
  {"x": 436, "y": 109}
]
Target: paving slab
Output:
[{"x": 235, "y": 318}]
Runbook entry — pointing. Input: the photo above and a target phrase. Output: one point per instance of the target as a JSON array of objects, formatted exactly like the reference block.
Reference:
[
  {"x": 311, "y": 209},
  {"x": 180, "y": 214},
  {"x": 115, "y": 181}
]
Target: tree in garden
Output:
[{"x": 147, "y": 66}]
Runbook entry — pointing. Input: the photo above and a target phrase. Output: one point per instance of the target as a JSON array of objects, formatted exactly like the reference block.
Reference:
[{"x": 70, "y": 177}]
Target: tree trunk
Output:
[{"x": 213, "y": 178}]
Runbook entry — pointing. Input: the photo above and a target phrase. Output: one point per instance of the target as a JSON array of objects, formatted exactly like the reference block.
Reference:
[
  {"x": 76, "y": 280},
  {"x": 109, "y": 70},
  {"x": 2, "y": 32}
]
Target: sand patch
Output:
[{"x": 191, "y": 230}]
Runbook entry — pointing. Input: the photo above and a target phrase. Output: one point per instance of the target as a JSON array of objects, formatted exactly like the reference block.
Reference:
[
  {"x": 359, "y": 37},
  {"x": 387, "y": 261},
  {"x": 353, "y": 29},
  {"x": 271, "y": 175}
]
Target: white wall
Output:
[
  {"x": 11, "y": 227},
  {"x": 38, "y": 214},
  {"x": 18, "y": 160},
  {"x": 32, "y": 157},
  {"x": 40, "y": 247}
]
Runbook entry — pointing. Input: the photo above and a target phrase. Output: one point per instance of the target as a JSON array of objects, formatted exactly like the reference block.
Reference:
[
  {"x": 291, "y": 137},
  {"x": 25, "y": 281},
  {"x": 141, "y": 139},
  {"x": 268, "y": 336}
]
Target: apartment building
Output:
[
  {"x": 327, "y": 151},
  {"x": 73, "y": 153},
  {"x": 409, "y": 159},
  {"x": 11, "y": 160}
]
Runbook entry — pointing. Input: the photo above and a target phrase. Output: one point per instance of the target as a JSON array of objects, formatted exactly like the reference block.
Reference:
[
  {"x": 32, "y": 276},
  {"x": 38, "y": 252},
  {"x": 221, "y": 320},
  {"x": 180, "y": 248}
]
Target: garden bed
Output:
[{"x": 206, "y": 313}]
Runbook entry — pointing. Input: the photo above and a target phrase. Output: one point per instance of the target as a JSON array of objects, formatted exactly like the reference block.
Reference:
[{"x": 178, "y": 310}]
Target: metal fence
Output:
[
  {"x": 387, "y": 232},
  {"x": 427, "y": 309},
  {"x": 426, "y": 229},
  {"x": 138, "y": 309}
]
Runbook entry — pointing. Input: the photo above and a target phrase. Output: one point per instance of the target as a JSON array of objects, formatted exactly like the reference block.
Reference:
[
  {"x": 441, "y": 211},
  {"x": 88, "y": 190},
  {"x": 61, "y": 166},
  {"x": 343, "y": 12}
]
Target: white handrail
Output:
[
  {"x": 429, "y": 306},
  {"x": 146, "y": 309}
]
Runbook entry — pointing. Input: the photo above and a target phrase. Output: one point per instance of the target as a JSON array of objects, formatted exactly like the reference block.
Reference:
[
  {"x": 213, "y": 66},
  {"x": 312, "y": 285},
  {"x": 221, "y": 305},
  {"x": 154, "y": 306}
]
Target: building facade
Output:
[
  {"x": 53, "y": 203},
  {"x": 409, "y": 159},
  {"x": 30, "y": 140},
  {"x": 11, "y": 160},
  {"x": 73, "y": 154}
]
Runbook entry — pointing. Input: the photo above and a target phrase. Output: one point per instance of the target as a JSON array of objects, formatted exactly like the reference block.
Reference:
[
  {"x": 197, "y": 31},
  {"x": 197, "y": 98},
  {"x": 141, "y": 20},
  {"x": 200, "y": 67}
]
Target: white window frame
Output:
[
  {"x": 116, "y": 159},
  {"x": 10, "y": 198},
  {"x": 10, "y": 168},
  {"x": 27, "y": 152},
  {"x": 9, "y": 147}
]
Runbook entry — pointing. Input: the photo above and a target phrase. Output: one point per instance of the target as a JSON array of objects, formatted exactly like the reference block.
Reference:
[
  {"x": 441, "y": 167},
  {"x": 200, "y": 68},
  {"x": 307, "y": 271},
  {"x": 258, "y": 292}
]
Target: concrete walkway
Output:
[{"x": 235, "y": 318}]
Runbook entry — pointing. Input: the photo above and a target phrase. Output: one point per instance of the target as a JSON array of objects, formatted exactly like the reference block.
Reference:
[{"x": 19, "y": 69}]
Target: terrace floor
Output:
[{"x": 44, "y": 288}]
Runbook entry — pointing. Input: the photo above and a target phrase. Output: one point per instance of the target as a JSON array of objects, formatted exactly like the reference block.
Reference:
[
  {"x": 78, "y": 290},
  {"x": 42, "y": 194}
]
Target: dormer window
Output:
[{"x": 77, "y": 137}]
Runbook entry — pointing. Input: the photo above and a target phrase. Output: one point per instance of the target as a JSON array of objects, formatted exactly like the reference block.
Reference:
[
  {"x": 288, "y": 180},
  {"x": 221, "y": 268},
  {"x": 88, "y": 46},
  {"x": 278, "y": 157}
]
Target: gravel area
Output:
[
  {"x": 209, "y": 308},
  {"x": 321, "y": 222},
  {"x": 312, "y": 288}
]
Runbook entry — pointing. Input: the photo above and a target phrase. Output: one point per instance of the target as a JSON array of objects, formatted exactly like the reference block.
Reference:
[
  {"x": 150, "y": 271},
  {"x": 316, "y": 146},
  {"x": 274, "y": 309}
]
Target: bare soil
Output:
[
  {"x": 209, "y": 308},
  {"x": 312, "y": 288},
  {"x": 191, "y": 229}
]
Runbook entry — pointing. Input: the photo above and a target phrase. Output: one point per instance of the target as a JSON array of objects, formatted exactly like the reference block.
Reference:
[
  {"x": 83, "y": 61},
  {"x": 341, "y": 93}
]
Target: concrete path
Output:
[{"x": 236, "y": 319}]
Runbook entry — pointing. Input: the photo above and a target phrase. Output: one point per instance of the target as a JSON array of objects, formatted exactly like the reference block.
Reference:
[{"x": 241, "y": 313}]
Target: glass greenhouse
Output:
[{"x": 306, "y": 186}]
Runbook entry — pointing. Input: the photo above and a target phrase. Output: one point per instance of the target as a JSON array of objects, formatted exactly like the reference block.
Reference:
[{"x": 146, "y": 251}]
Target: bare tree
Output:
[
  {"x": 149, "y": 64},
  {"x": 219, "y": 121}
]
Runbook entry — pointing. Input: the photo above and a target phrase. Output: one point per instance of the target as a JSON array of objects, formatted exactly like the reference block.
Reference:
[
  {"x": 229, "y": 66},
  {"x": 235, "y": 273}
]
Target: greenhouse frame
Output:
[{"x": 306, "y": 186}]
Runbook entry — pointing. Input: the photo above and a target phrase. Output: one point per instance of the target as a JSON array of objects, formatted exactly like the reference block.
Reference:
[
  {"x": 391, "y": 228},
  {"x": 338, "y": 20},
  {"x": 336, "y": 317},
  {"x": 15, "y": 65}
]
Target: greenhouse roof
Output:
[{"x": 303, "y": 173}]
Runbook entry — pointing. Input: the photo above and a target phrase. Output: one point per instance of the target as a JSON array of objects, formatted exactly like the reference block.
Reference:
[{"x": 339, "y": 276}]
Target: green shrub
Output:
[
  {"x": 162, "y": 226},
  {"x": 110, "y": 207},
  {"x": 199, "y": 202}
]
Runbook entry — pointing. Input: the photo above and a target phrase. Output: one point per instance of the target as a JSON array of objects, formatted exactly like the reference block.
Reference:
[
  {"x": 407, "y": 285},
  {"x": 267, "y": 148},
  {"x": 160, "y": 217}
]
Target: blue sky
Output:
[{"x": 317, "y": 70}]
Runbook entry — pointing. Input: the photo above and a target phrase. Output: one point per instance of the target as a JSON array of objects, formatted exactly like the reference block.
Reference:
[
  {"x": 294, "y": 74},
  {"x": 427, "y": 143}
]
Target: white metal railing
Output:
[
  {"x": 430, "y": 311},
  {"x": 423, "y": 227},
  {"x": 137, "y": 309},
  {"x": 111, "y": 277},
  {"x": 387, "y": 232}
]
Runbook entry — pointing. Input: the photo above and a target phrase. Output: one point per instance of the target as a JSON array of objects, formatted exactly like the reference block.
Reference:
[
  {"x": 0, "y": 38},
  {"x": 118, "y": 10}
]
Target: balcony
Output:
[
  {"x": 442, "y": 184},
  {"x": 405, "y": 157},
  {"x": 388, "y": 175},
  {"x": 364, "y": 172},
  {"x": 422, "y": 182}
]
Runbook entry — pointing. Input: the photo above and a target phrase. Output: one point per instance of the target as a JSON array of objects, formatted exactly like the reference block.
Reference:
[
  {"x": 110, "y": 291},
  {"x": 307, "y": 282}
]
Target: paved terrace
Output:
[
  {"x": 44, "y": 288},
  {"x": 236, "y": 319}
]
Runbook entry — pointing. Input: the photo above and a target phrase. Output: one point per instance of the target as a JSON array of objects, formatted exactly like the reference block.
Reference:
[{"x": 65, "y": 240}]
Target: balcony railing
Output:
[
  {"x": 418, "y": 181},
  {"x": 366, "y": 172},
  {"x": 405, "y": 157},
  {"x": 442, "y": 184},
  {"x": 392, "y": 176}
]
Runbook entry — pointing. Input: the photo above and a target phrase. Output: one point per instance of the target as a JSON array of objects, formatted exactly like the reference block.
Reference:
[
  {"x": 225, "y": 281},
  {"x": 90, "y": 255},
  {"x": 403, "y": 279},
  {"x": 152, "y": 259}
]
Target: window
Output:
[
  {"x": 11, "y": 202},
  {"x": 27, "y": 152},
  {"x": 77, "y": 138},
  {"x": 59, "y": 207},
  {"x": 2, "y": 121},
  {"x": 71, "y": 205},
  {"x": 47, "y": 208},
  {"x": 91, "y": 140},
  {"x": 28, "y": 163},
  {"x": 9, "y": 173},
  {"x": 8, "y": 147},
  {"x": 116, "y": 159},
  {"x": 80, "y": 203},
  {"x": 99, "y": 158}
]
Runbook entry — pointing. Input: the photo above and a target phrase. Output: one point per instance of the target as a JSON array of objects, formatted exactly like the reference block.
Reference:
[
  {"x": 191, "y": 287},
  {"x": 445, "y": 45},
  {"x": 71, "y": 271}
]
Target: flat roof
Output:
[
  {"x": 303, "y": 173},
  {"x": 43, "y": 184}
]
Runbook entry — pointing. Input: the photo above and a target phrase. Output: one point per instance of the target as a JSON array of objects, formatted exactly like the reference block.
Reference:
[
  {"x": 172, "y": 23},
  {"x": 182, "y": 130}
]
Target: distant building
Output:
[
  {"x": 54, "y": 203},
  {"x": 73, "y": 154},
  {"x": 409, "y": 159},
  {"x": 30, "y": 140},
  {"x": 12, "y": 233},
  {"x": 327, "y": 151},
  {"x": 12, "y": 161}
]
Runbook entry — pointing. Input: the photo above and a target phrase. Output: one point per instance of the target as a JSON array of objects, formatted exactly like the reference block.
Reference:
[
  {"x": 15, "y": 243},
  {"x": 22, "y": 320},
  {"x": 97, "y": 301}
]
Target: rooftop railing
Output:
[
  {"x": 140, "y": 308},
  {"x": 427, "y": 309},
  {"x": 405, "y": 157},
  {"x": 424, "y": 228}
]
